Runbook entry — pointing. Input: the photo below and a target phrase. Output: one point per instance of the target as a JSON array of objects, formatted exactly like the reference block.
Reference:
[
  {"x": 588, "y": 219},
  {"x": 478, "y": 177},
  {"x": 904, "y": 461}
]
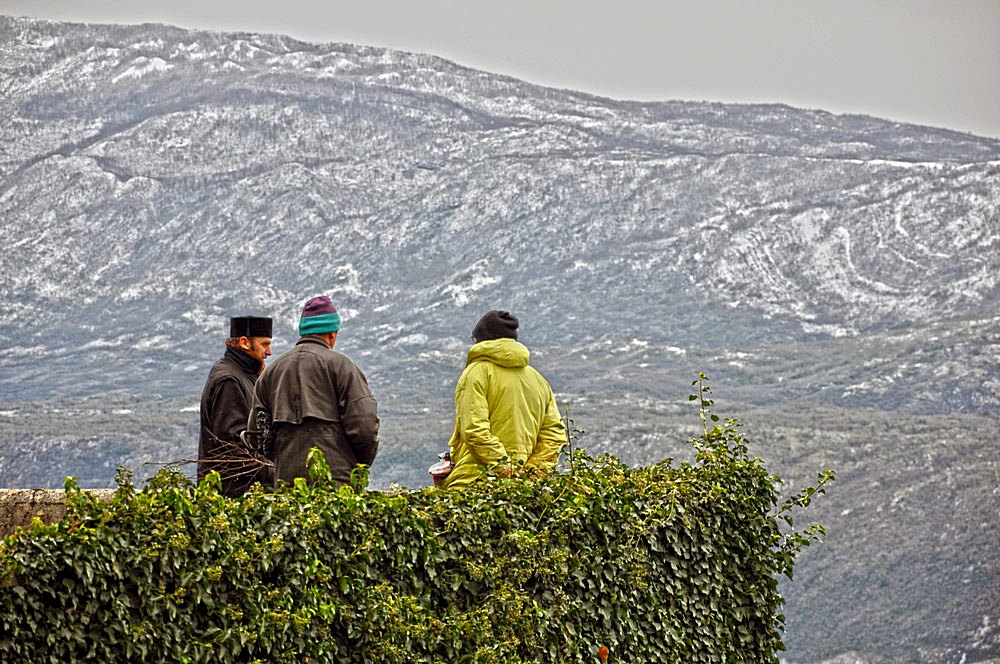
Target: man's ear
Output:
[{"x": 244, "y": 343}]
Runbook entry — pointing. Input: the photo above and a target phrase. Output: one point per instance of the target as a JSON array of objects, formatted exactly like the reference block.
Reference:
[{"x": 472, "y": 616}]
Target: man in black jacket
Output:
[{"x": 225, "y": 405}]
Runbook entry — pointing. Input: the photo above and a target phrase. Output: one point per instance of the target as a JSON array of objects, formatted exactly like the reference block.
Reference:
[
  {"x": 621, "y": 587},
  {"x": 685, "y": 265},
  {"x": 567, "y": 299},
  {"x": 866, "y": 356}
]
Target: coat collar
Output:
[
  {"x": 247, "y": 363},
  {"x": 503, "y": 352},
  {"x": 310, "y": 339}
]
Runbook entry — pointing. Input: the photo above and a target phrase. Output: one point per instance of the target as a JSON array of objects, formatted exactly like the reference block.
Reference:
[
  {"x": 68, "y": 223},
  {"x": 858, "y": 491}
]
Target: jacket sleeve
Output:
[
  {"x": 474, "y": 417},
  {"x": 359, "y": 415},
  {"x": 551, "y": 438},
  {"x": 228, "y": 409}
]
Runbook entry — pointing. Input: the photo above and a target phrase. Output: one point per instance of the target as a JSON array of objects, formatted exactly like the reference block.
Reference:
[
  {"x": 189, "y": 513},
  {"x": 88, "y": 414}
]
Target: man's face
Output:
[{"x": 259, "y": 347}]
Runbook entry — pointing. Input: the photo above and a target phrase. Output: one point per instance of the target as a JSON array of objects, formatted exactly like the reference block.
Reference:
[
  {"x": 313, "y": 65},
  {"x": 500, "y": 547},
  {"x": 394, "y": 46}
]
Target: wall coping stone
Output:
[{"x": 19, "y": 507}]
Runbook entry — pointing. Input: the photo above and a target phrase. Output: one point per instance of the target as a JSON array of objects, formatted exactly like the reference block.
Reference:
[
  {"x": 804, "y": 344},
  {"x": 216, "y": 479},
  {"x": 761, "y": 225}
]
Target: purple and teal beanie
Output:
[{"x": 319, "y": 316}]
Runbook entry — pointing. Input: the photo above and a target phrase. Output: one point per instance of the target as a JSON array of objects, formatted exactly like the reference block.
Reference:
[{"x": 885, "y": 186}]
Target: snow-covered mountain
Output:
[{"x": 154, "y": 181}]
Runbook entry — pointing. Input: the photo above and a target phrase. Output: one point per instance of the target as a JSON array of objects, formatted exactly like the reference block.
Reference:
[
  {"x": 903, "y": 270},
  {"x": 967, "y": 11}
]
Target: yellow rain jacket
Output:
[{"x": 504, "y": 409}]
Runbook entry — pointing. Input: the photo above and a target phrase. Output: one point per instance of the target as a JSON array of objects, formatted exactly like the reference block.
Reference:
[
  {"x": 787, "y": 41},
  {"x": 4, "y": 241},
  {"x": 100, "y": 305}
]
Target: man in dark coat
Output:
[
  {"x": 225, "y": 405},
  {"x": 317, "y": 397}
]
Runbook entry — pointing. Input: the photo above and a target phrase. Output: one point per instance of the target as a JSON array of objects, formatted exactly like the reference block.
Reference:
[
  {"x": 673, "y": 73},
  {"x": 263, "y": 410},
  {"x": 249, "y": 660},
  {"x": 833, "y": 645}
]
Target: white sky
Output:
[{"x": 932, "y": 62}]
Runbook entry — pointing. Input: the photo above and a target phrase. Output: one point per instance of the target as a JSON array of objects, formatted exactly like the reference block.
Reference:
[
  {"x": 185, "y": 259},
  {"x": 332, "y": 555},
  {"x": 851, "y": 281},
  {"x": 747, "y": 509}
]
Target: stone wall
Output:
[{"x": 18, "y": 507}]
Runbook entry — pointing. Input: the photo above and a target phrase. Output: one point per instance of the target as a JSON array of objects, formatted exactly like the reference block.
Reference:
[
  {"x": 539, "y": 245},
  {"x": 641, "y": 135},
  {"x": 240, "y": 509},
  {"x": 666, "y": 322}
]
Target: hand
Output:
[
  {"x": 531, "y": 472},
  {"x": 503, "y": 470}
]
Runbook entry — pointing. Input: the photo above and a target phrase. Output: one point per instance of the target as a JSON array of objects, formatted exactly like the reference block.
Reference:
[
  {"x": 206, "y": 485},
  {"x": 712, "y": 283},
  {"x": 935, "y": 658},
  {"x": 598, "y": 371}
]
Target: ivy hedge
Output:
[{"x": 671, "y": 562}]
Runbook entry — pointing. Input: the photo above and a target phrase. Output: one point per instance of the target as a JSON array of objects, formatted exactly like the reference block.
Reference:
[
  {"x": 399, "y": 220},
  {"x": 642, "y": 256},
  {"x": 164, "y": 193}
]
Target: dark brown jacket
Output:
[
  {"x": 225, "y": 404},
  {"x": 317, "y": 397}
]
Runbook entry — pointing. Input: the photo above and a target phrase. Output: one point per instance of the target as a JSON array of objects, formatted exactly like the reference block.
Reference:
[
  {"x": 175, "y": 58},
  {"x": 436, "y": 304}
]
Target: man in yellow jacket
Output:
[{"x": 505, "y": 413}]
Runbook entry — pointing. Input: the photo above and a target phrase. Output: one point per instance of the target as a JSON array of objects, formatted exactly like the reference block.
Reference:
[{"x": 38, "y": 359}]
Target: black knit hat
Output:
[
  {"x": 249, "y": 326},
  {"x": 495, "y": 325}
]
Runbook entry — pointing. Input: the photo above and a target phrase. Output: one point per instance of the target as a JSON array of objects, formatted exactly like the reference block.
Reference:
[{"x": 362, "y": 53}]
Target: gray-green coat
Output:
[{"x": 317, "y": 397}]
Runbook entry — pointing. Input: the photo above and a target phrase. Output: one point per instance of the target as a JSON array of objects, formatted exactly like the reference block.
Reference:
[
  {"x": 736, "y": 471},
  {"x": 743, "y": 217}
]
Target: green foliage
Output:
[{"x": 665, "y": 563}]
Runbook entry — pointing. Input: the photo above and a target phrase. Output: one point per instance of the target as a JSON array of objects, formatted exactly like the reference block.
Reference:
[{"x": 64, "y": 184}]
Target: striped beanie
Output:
[{"x": 319, "y": 316}]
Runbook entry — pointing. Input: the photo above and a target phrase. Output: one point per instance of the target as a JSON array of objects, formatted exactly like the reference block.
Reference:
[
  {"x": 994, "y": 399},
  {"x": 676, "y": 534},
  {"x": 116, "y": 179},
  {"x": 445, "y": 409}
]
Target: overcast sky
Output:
[{"x": 933, "y": 62}]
